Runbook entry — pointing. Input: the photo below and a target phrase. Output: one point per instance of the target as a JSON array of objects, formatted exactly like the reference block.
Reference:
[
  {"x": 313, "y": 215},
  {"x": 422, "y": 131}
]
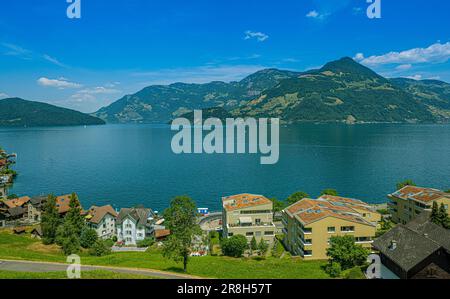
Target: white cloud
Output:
[
  {"x": 53, "y": 60},
  {"x": 259, "y": 36},
  {"x": 433, "y": 54},
  {"x": 359, "y": 57},
  {"x": 60, "y": 83},
  {"x": 403, "y": 67},
  {"x": 15, "y": 50},
  {"x": 415, "y": 77},
  {"x": 3, "y": 95},
  {"x": 313, "y": 14},
  {"x": 99, "y": 90}
]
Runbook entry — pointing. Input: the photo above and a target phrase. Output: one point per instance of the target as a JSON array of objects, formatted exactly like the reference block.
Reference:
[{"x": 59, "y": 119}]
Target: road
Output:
[{"x": 28, "y": 266}]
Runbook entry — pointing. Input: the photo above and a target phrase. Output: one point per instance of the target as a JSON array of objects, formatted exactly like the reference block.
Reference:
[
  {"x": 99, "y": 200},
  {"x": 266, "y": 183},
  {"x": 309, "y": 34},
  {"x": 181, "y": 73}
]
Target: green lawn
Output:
[
  {"x": 62, "y": 275},
  {"x": 24, "y": 248}
]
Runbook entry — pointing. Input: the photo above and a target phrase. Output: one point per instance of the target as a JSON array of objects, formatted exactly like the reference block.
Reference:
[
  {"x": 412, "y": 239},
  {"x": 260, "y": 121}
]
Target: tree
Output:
[
  {"x": 68, "y": 239},
  {"x": 435, "y": 213},
  {"x": 234, "y": 246},
  {"x": 100, "y": 248},
  {"x": 88, "y": 237},
  {"x": 50, "y": 220},
  {"x": 263, "y": 247},
  {"x": 181, "y": 220},
  {"x": 297, "y": 196},
  {"x": 385, "y": 226},
  {"x": 278, "y": 205},
  {"x": 405, "y": 183},
  {"x": 73, "y": 216},
  {"x": 344, "y": 251},
  {"x": 331, "y": 192},
  {"x": 333, "y": 269},
  {"x": 443, "y": 217},
  {"x": 253, "y": 245}
]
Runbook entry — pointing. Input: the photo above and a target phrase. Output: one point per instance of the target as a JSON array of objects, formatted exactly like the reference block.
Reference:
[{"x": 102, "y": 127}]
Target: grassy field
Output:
[
  {"x": 62, "y": 275},
  {"x": 24, "y": 248}
]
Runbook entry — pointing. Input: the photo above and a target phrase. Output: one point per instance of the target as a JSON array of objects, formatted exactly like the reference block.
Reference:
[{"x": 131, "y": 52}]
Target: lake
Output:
[{"x": 125, "y": 165}]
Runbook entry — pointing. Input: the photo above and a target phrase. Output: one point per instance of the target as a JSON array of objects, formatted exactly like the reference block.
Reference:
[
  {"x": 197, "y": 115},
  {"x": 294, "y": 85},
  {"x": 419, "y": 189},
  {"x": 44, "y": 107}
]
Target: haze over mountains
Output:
[{"x": 341, "y": 91}]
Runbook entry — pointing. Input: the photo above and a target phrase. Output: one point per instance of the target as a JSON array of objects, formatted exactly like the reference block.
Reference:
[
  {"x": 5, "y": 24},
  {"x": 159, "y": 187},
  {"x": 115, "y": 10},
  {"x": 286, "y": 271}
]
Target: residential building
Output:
[
  {"x": 420, "y": 249},
  {"x": 103, "y": 220},
  {"x": 34, "y": 209},
  {"x": 14, "y": 203},
  {"x": 249, "y": 215},
  {"x": 63, "y": 203},
  {"x": 3, "y": 191},
  {"x": 310, "y": 223},
  {"x": 411, "y": 201},
  {"x": 134, "y": 224}
]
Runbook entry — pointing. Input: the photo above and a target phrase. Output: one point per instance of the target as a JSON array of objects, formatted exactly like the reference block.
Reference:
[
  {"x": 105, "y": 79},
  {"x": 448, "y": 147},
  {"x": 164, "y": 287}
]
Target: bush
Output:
[
  {"x": 114, "y": 239},
  {"x": 88, "y": 237},
  {"x": 147, "y": 242},
  {"x": 109, "y": 242},
  {"x": 234, "y": 246},
  {"x": 333, "y": 269},
  {"x": 100, "y": 248}
]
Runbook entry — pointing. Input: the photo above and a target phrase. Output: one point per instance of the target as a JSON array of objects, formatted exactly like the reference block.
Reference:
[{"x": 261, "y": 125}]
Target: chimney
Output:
[{"x": 393, "y": 245}]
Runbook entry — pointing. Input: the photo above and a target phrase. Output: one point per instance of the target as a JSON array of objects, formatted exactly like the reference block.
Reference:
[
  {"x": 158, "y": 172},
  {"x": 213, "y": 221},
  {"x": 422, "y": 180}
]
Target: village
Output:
[{"x": 410, "y": 234}]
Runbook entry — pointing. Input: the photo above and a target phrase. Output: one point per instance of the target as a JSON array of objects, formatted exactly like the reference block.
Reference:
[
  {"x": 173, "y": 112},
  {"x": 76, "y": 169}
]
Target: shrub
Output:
[
  {"x": 234, "y": 246},
  {"x": 355, "y": 273},
  {"x": 100, "y": 248},
  {"x": 333, "y": 269},
  {"x": 147, "y": 242},
  {"x": 88, "y": 237}
]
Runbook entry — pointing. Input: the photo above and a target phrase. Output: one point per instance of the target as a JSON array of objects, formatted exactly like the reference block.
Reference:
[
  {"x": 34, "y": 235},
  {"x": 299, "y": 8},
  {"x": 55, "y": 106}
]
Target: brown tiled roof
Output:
[
  {"x": 63, "y": 203},
  {"x": 3, "y": 162},
  {"x": 17, "y": 202},
  {"x": 311, "y": 210},
  {"x": 245, "y": 200},
  {"x": 161, "y": 233},
  {"x": 97, "y": 213},
  {"x": 425, "y": 195}
]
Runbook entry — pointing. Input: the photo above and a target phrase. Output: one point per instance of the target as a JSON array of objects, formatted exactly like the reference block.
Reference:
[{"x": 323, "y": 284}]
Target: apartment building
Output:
[
  {"x": 410, "y": 201},
  {"x": 103, "y": 220},
  {"x": 310, "y": 223},
  {"x": 249, "y": 215}
]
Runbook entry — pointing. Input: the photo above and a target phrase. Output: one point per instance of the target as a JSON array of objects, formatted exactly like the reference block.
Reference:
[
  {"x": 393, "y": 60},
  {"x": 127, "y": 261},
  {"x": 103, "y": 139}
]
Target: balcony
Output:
[{"x": 261, "y": 224}]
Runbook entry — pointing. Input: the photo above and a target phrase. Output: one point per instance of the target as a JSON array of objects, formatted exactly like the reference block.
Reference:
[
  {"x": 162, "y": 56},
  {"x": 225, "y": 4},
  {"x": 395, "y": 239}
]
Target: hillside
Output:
[
  {"x": 15, "y": 112},
  {"x": 160, "y": 104},
  {"x": 341, "y": 91}
]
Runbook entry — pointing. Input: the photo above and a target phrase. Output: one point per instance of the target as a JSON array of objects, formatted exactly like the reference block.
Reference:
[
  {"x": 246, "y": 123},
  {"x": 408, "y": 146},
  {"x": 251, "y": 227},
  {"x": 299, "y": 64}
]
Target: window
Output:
[
  {"x": 230, "y": 234},
  {"x": 269, "y": 233},
  {"x": 249, "y": 234},
  {"x": 307, "y": 230},
  {"x": 257, "y": 221},
  {"x": 363, "y": 239},
  {"x": 331, "y": 229},
  {"x": 308, "y": 252},
  {"x": 258, "y": 234},
  {"x": 347, "y": 228},
  {"x": 308, "y": 242}
]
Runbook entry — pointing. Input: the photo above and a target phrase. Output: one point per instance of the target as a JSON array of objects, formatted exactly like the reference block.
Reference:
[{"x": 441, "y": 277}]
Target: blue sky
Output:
[{"x": 119, "y": 47}]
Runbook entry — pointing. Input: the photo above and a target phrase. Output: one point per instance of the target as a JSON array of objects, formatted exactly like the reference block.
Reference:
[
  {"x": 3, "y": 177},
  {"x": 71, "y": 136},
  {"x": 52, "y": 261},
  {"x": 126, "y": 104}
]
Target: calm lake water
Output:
[{"x": 125, "y": 165}]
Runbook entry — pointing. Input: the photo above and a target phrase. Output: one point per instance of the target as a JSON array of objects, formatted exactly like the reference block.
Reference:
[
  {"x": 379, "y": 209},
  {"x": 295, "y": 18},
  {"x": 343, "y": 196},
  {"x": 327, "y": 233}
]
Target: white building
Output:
[
  {"x": 103, "y": 220},
  {"x": 134, "y": 225}
]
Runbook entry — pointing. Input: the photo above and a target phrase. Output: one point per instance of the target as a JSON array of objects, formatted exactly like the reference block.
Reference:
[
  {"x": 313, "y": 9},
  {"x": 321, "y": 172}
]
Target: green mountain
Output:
[
  {"x": 15, "y": 112},
  {"x": 160, "y": 104},
  {"x": 215, "y": 112},
  {"x": 342, "y": 90}
]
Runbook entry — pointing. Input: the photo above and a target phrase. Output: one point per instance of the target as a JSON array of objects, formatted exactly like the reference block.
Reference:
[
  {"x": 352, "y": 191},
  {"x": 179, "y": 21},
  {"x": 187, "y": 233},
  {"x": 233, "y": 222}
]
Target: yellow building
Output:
[
  {"x": 310, "y": 223},
  {"x": 248, "y": 215},
  {"x": 410, "y": 201}
]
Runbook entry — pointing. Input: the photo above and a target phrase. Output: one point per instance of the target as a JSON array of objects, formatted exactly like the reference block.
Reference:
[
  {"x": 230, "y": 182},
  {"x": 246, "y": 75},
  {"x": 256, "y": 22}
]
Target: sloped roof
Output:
[
  {"x": 415, "y": 241},
  {"x": 140, "y": 215},
  {"x": 16, "y": 211},
  {"x": 17, "y": 202},
  {"x": 98, "y": 213},
  {"x": 425, "y": 195}
]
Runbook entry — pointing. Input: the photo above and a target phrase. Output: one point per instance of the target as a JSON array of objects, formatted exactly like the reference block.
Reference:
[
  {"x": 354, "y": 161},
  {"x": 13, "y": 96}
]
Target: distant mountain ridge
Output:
[
  {"x": 340, "y": 91},
  {"x": 16, "y": 112}
]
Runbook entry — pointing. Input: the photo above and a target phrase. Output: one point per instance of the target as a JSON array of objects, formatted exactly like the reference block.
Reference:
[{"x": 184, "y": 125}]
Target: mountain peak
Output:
[{"x": 347, "y": 65}]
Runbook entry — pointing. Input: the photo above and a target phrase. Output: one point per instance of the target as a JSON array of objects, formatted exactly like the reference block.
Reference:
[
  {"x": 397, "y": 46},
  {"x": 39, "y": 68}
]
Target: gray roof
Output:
[
  {"x": 140, "y": 215},
  {"x": 415, "y": 242},
  {"x": 17, "y": 211},
  {"x": 38, "y": 200}
]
